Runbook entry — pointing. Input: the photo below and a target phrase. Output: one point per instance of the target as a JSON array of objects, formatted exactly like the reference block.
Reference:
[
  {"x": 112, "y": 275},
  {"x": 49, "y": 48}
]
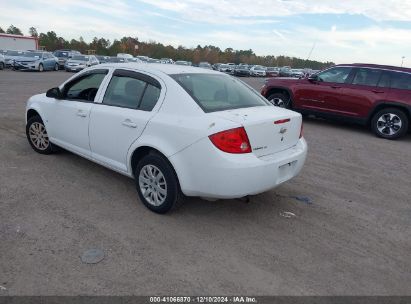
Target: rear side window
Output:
[
  {"x": 124, "y": 92},
  {"x": 400, "y": 81},
  {"x": 150, "y": 98},
  {"x": 132, "y": 90},
  {"x": 335, "y": 75},
  {"x": 384, "y": 80},
  {"x": 368, "y": 77}
]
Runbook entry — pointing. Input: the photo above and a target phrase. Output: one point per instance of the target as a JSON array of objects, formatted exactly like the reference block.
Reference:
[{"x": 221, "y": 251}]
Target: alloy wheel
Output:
[
  {"x": 153, "y": 185},
  {"x": 38, "y": 136},
  {"x": 389, "y": 124},
  {"x": 279, "y": 102}
]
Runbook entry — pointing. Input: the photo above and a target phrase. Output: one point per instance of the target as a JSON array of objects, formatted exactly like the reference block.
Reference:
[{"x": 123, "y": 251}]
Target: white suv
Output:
[{"x": 174, "y": 129}]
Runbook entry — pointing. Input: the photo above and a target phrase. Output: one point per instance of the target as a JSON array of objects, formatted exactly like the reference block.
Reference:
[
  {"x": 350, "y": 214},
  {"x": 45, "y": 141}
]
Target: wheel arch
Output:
[
  {"x": 282, "y": 90},
  {"x": 388, "y": 104},
  {"x": 139, "y": 152},
  {"x": 31, "y": 113}
]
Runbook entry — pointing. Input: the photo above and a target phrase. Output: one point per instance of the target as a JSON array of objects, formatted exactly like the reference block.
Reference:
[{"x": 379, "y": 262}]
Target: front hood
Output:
[{"x": 25, "y": 59}]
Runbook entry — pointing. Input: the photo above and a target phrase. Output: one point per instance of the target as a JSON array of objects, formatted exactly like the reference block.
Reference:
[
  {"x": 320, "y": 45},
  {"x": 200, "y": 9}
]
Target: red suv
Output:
[{"x": 374, "y": 95}]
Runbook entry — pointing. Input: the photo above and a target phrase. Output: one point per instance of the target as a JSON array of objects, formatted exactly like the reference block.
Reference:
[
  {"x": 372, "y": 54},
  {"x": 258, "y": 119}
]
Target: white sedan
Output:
[{"x": 174, "y": 129}]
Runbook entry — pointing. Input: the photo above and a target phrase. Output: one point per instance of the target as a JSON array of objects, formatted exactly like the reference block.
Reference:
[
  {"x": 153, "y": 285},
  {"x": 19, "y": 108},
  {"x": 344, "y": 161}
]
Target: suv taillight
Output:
[{"x": 232, "y": 141}]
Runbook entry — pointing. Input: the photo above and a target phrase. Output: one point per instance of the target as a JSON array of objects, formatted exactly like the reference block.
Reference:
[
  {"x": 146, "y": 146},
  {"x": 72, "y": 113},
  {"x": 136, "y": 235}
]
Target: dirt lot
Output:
[{"x": 352, "y": 238}]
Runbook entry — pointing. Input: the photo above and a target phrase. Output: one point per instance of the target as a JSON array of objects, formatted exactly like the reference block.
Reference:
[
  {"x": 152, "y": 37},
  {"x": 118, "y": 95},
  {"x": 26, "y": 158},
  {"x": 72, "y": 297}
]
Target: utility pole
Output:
[
  {"x": 402, "y": 61},
  {"x": 311, "y": 51}
]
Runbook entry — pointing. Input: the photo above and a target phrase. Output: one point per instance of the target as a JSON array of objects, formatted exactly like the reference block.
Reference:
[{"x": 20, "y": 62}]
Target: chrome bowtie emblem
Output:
[{"x": 283, "y": 130}]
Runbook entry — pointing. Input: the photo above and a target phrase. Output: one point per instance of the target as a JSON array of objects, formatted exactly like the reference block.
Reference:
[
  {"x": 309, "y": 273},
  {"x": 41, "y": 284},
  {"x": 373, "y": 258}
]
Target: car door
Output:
[
  {"x": 68, "y": 120},
  {"x": 357, "y": 97},
  {"x": 46, "y": 61},
  {"x": 323, "y": 94},
  {"x": 121, "y": 116}
]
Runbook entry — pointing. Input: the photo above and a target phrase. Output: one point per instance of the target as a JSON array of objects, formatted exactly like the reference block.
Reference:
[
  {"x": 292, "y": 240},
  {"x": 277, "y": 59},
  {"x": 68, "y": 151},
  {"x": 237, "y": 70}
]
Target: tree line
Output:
[{"x": 50, "y": 41}]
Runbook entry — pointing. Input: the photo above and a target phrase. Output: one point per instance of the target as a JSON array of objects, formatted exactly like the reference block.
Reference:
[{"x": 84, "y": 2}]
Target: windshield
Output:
[
  {"x": 33, "y": 54},
  {"x": 215, "y": 92},
  {"x": 14, "y": 53},
  {"x": 80, "y": 58},
  {"x": 259, "y": 68},
  {"x": 61, "y": 54}
]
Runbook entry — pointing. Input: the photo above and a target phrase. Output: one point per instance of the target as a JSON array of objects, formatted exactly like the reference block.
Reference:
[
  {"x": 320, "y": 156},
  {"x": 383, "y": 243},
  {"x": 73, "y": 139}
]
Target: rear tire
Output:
[
  {"x": 280, "y": 100},
  {"x": 56, "y": 67},
  {"x": 157, "y": 184},
  {"x": 390, "y": 123},
  {"x": 37, "y": 136}
]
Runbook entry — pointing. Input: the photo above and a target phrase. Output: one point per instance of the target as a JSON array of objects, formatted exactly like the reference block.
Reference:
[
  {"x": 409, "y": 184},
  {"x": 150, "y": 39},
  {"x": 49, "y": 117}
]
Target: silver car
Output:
[
  {"x": 10, "y": 56},
  {"x": 36, "y": 61},
  {"x": 80, "y": 62}
]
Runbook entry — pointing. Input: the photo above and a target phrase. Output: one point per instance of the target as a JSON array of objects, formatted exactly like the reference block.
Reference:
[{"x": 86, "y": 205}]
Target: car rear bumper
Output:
[{"x": 222, "y": 175}]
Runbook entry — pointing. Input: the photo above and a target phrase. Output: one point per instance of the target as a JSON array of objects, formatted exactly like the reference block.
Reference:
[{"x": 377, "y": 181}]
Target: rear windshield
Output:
[{"x": 215, "y": 92}]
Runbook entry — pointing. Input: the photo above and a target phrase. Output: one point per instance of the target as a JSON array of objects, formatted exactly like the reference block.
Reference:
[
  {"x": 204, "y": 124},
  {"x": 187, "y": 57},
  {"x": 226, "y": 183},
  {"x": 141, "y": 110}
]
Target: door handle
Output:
[
  {"x": 81, "y": 113},
  {"x": 129, "y": 123},
  {"x": 336, "y": 87},
  {"x": 378, "y": 92}
]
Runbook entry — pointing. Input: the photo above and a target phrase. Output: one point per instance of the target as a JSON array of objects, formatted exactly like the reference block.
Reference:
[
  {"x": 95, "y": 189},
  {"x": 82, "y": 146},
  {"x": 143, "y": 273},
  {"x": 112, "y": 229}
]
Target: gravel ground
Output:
[{"x": 350, "y": 234}]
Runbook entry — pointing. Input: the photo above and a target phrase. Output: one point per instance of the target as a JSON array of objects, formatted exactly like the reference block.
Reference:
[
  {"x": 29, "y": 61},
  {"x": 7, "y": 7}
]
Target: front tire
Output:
[
  {"x": 390, "y": 123},
  {"x": 1, "y": 65},
  {"x": 41, "y": 67},
  {"x": 280, "y": 100},
  {"x": 157, "y": 184},
  {"x": 37, "y": 136}
]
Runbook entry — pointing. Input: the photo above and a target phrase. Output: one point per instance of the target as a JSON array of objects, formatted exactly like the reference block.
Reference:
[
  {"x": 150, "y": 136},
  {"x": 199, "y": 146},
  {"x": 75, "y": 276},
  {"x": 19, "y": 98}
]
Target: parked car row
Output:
[{"x": 74, "y": 61}]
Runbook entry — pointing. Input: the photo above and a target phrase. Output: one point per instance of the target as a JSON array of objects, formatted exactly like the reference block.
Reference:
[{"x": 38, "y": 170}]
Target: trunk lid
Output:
[{"x": 269, "y": 129}]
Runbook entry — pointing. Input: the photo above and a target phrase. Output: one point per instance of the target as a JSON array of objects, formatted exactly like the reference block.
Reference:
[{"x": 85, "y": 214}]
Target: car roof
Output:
[
  {"x": 377, "y": 66},
  {"x": 157, "y": 68}
]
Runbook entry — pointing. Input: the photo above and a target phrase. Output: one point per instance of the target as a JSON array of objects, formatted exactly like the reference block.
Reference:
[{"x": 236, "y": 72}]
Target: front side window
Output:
[
  {"x": 400, "y": 81},
  {"x": 335, "y": 75},
  {"x": 218, "y": 92},
  {"x": 368, "y": 77},
  {"x": 84, "y": 88}
]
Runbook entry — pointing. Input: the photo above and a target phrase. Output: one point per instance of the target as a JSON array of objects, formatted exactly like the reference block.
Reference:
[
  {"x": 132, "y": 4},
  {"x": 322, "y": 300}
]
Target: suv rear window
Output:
[{"x": 215, "y": 92}]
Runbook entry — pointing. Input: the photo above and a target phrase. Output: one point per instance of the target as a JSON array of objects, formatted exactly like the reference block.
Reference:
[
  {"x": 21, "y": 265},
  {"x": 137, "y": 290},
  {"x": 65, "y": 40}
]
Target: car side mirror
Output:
[
  {"x": 54, "y": 93},
  {"x": 314, "y": 78}
]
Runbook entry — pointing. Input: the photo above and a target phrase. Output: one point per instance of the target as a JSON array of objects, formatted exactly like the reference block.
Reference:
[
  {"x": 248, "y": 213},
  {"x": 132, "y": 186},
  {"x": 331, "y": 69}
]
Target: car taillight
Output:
[
  {"x": 232, "y": 141},
  {"x": 301, "y": 130}
]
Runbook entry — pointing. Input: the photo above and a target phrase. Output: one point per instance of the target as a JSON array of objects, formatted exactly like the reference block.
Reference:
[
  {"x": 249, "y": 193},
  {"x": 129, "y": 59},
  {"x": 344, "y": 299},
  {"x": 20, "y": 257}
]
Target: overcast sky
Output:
[{"x": 343, "y": 31}]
